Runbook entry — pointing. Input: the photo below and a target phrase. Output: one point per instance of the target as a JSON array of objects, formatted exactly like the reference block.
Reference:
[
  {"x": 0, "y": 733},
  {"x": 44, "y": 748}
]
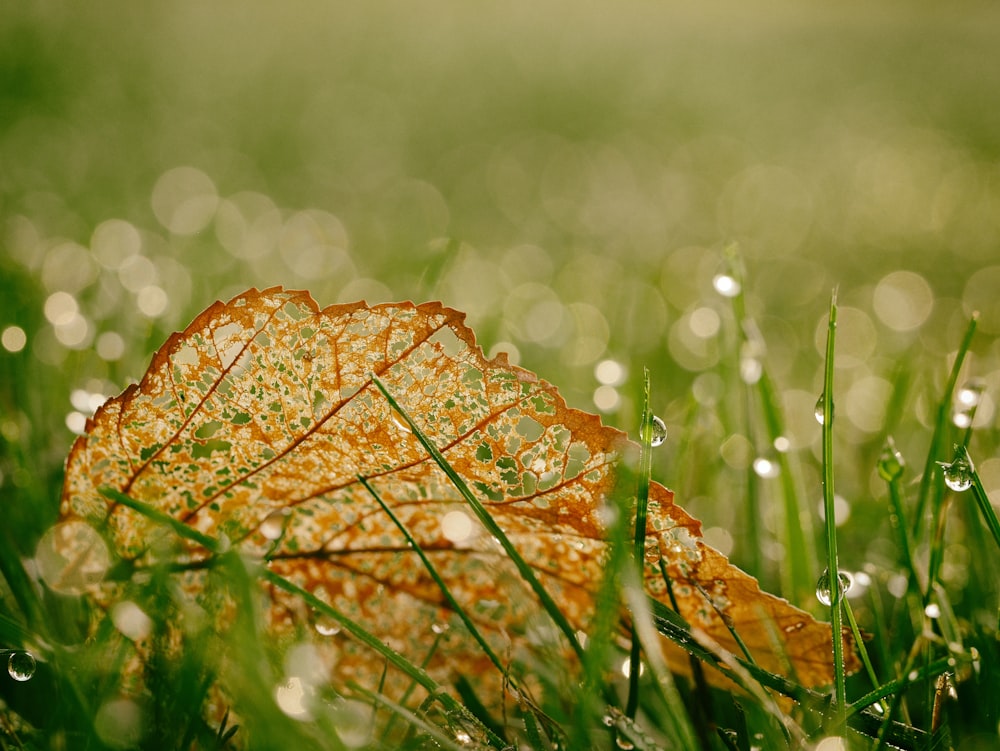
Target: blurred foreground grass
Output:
[{"x": 569, "y": 175}]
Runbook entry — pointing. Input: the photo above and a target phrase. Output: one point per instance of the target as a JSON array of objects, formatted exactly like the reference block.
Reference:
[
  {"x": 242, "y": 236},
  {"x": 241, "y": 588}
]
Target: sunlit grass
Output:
[{"x": 570, "y": 176}]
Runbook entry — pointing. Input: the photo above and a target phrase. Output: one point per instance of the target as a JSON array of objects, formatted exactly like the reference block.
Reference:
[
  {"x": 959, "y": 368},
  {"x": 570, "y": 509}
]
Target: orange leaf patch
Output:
[{"x": 257, "y": 421}]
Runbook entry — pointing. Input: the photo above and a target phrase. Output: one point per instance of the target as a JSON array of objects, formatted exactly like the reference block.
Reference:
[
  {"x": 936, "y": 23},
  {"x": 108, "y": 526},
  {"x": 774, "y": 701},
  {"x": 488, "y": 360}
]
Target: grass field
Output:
[{"x": 602, "y": 188}]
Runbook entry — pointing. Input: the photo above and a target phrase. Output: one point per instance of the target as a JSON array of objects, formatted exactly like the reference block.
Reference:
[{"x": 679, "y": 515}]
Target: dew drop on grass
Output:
[
  {"x": 326, "y": 626},
  {"x": 273, "y": 525},
  {"x": 659, "y": 432},
  {"x": 824, "y": 589},
  {"x": 651, "y": 551},
  {"x": 399, "y": 422},
  {"x": 820, "y": 412},
  {"x": 958, "y": 472},
  {"x": 890, "y": 462},
  {"x": 21, "y": 666}
]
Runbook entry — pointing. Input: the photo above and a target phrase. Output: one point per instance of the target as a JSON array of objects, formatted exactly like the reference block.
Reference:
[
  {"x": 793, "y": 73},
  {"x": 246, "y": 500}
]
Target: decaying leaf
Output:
[{"x": 257, "y": 421}]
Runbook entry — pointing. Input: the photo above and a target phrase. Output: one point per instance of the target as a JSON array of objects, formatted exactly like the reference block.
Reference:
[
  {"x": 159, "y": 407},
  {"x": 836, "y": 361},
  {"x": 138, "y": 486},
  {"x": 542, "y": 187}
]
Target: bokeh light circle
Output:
[
  {"x": 903, "y": 300},
  {"x": 184, "y": 200}
]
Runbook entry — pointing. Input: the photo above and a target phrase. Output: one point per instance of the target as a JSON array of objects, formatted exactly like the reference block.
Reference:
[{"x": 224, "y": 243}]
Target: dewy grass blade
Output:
[
  {"x": 983, "y": 501},
  {"x": 930, "y": 483},
  {"x": 639, "y": 541},
  {"x": 524, "y": 569},
  {"x": 455, "y": 606},
  {"x": 833, "y": 567}
]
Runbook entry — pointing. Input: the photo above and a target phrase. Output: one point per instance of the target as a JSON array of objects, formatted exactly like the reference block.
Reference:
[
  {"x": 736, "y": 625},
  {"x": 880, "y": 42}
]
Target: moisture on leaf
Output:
[{"x": 255, "y": 424}]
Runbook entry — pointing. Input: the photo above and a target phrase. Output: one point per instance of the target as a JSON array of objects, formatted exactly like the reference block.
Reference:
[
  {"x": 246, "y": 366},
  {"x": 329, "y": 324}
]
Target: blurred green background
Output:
[{"x": 568, "y": 173}]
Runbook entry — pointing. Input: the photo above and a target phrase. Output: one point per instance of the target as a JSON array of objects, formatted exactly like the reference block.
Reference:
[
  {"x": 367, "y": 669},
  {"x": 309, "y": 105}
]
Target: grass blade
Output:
[
  {"x": 982, "y": 500},
  {"x": 930, "y": 483},
  {"x": 523, "y": 568},
  {"x": 639, "y": 542},
  {"x": 833, "y": 566},
  {"x": 455, "y": 606}
]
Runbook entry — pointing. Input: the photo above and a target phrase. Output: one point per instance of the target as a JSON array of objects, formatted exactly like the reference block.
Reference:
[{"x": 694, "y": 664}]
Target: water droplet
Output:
[
  {"x": 273, "y": 526},
  {"x": 958, "y": 472},
  {"x": 933, "y": 610},
  {"x": 820, "y": 411},
  {"x": 766, "y": 468},
  {"x": 890, "y": 463},
  {"x": 824, "y": 591},
  {"x": 399, "y": 422},
  {"x": 292, "y": 699},
  {"x": 726, "y": 285},
  {"x": 658, "y": 432},
  {"x": 651, "y": 551},
  {"x": 21, "y": 666},
  {"x": 326, "y": 626}
]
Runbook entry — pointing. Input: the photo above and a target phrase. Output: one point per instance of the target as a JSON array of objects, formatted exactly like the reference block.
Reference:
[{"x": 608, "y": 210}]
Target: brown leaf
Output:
[{"x": 256, "y": 421}]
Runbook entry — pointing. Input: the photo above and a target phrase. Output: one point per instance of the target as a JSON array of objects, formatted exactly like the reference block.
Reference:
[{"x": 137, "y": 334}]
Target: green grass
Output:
[
  {"x": 570, "y": 174},
  {"x": 931, "y": 651}
]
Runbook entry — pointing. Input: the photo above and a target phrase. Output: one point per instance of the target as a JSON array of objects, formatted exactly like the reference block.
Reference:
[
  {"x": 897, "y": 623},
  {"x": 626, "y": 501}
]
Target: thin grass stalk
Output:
[
  {"x": 639, "y": 540},
  {"x": 523, "y": 568},
  {"x": 983, "y": 501},
  {"x": 860, "y": 642},
  {"x": 452, "y": 602},
  {"x": 833, "y": 567},
  {"x": 800, "y": 569}
]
